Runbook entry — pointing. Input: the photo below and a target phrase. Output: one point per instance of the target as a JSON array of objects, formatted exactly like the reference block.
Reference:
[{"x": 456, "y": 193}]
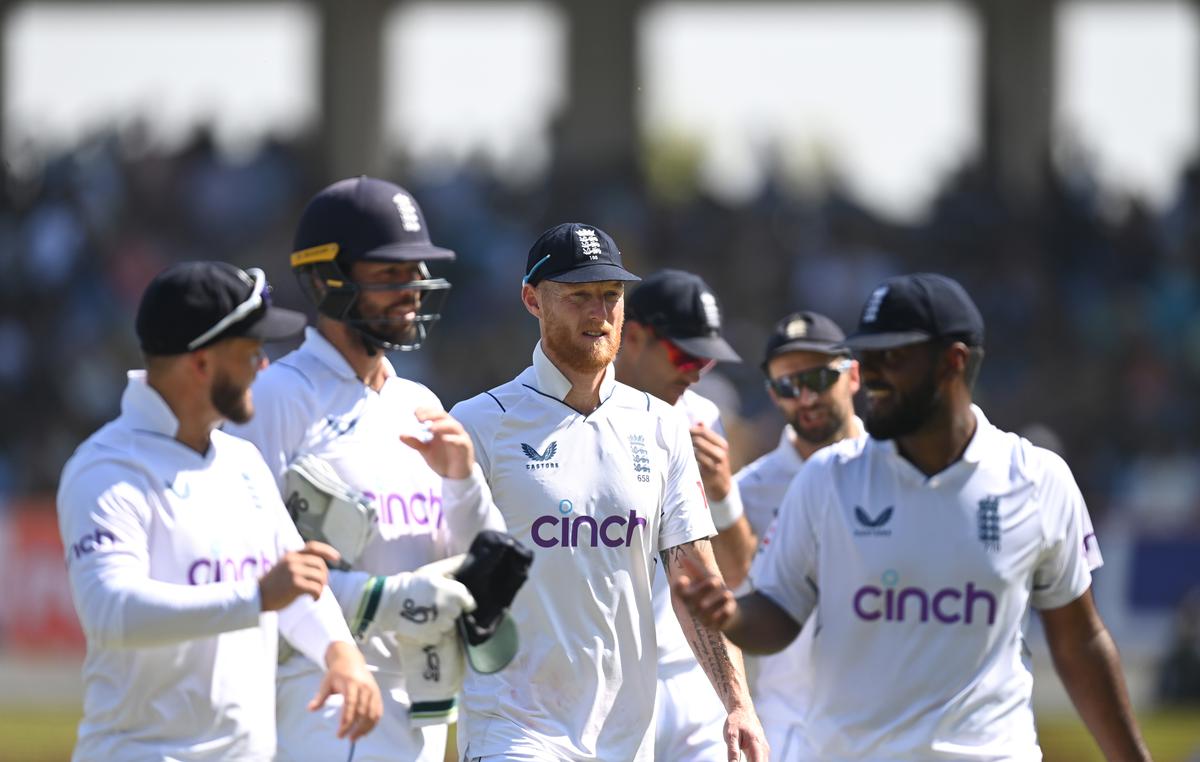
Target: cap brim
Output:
[
  {"x": 888, "y": 340},
  {"x": 708, "y": 347},
  {"x": 593, "y": 274},
  {"x": 801, "y": 345},
  {"x": 495, "y": 653},
  {"x": 277, "y": 324},
  {"x": 398, "y": 252}
]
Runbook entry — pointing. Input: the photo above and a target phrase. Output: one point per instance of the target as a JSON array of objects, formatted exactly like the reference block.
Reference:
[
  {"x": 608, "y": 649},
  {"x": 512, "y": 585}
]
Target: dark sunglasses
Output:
[
  {"x": 815, "y": 379},
  {"x": 684, "y": 361}
]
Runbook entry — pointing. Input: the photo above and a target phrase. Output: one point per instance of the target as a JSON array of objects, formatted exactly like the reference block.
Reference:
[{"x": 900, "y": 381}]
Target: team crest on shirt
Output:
[
  {"x": 872, "y": 526},
  {"x": 989, "y": 522},
  {"x": 540, "y": 459},
  {"x": 641, "y": 457}
]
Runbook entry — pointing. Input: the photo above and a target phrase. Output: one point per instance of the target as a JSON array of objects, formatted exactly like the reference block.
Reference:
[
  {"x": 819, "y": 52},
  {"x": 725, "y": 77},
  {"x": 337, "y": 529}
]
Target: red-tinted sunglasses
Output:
[{"x": 684, "y": 361}]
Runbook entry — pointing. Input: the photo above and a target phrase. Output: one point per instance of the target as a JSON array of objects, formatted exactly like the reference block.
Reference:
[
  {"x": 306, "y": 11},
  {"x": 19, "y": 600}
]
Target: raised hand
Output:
[{"x": 300, "y": 572}]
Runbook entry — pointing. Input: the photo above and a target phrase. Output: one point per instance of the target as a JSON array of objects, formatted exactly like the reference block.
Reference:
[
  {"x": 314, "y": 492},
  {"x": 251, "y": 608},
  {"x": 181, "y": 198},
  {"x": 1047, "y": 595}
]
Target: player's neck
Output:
[
  {"x": 368, "y": 367},
  {"x": 941, "y": 441},
  {"x": 195, "y": 415},
  {"x": 585, "y": 385},
  {"x": 805, "y": 449}
]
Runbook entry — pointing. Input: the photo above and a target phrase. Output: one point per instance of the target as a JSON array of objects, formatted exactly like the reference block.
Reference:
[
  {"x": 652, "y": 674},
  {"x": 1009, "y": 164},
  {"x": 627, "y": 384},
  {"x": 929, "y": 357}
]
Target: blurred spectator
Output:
[
  {"x": 1179, "y": 675},
  {"x": 1092, "y": 303}
]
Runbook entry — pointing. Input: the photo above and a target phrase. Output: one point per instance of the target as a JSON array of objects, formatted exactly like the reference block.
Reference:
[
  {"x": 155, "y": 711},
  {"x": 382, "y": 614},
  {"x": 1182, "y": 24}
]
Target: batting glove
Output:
[{"x": 420, "y": 606}]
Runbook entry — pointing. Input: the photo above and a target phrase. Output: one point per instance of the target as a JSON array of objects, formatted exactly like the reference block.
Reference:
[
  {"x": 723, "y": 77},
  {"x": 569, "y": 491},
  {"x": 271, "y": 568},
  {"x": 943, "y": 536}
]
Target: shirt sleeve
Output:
[
  {"x": 1071, "y": 553},
  {"x": 684, "y": 509},
  {"x": 105, "y": 517},
  {"x": 472, "y": 415},
  {"x": 786, "y": 567}
]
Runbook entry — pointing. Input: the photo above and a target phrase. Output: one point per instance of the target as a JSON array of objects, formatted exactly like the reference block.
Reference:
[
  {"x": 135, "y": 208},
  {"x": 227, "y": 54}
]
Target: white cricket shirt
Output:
[
  {"x": 778, "y": 682},
  {"x": 596, "y": 497},
  {"x": 164, "y": 548},
  {"x": 311, "y": 402},
  {"x": 920, "y": 587},
  {"x": 674, "y": 653}
]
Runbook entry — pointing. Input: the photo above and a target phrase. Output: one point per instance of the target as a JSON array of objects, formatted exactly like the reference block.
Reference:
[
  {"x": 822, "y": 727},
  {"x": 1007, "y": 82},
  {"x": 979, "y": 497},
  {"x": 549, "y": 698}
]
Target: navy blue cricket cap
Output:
[
  {"x": 574, "y": 253},
  {"x": 192, "y": 305},
  {"x": 363, "y": 219},
  {"x": 805, "y": 331},
  {"x": 910, "y": 309},
  {"x": 681, "y": 307}
]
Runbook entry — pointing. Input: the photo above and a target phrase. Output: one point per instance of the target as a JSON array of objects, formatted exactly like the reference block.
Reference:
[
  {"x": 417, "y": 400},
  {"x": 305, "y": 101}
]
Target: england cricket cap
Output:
[
  {"x": 681, "y": 307},
  {"x": 363, "y": 219},
  {"x": 191, "y": 305},
  {"x": 805, "y": 331},
  {"x": 574, "y": 253},
  {"x": 910, "y": 309}
]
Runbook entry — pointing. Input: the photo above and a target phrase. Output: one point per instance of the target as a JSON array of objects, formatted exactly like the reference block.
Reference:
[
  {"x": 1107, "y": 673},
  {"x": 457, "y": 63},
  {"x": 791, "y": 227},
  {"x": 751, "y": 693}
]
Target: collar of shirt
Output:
[
  {"x": 550, "y": 380},
  {"x": 320, "y": 348},
  {"x": 144, "y": 409},
  {"x": 977, "y": 449}
]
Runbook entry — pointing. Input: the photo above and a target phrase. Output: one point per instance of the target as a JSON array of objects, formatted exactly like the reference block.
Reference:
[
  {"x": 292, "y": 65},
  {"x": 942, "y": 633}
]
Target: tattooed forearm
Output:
[
  {"x": 712, "y": 652},
  {"x": 720, "y": 660},
  {"x": 673, "y": 557}
]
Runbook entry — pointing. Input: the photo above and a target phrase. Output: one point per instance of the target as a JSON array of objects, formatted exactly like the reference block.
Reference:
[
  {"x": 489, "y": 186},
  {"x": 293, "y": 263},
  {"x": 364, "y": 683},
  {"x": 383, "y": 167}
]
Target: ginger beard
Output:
[{"x": 567, "y": 341}]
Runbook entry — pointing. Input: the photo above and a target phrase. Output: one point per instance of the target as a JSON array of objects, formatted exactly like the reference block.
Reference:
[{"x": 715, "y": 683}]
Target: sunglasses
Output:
[
  {"x": 258, "y": 295},
  {"x": 684, "y": 361},
  {"x": 815, "y": 380}
]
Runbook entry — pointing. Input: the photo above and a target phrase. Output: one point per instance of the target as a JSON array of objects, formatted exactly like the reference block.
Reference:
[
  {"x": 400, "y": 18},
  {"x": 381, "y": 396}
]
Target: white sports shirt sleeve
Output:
[{"x": 164, "y": 548}]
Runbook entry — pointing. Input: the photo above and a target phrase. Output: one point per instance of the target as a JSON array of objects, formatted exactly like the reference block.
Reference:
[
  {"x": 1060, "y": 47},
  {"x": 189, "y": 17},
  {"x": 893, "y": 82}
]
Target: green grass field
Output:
[{"x": 46, "y": 736}]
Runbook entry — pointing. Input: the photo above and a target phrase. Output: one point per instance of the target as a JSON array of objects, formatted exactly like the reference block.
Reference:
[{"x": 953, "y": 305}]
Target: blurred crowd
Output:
[{"x": 1091, "y": 299}]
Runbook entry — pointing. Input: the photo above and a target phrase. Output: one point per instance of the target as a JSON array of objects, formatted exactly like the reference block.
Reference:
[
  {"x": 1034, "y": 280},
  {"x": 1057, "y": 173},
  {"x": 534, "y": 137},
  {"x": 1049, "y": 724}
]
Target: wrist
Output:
[
  {"x": 727, "y": 510},
  {"x": 340, "y": 652}
]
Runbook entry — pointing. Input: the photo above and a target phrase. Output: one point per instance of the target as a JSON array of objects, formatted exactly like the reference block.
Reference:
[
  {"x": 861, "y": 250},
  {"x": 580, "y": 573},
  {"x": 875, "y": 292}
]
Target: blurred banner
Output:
[{"x": 36, "y": 614}]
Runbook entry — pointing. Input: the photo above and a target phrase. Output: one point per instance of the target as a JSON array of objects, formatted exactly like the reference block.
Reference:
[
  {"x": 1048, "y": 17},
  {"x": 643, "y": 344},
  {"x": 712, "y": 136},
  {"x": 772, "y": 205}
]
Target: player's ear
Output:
[
  {"x": 531, "y": 299},
  {"x": 855, "y": 377},
  {"x": 954, "y": 358}
]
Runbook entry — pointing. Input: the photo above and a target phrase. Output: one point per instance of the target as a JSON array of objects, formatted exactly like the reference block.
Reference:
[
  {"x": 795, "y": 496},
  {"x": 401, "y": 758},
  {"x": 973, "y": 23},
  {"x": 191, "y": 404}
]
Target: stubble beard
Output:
[{"x": 230, "y": 400}]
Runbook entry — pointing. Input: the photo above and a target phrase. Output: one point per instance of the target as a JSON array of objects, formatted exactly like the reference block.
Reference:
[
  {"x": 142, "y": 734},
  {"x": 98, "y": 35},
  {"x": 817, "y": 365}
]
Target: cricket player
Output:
[
  {"x": 812, "y": 380},
  {"x": 361, "y": 252},
  {"x": 184, "y": 565},
  {"x": 600, "y": 478},
  {"x": 672, "y": 335},
  {"x": 920, "y": 549}
]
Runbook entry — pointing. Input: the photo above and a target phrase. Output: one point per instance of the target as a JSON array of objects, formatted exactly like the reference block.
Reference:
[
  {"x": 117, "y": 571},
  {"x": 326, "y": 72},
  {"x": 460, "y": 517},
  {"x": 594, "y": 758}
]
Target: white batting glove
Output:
[{"x": 420, "y": 605}]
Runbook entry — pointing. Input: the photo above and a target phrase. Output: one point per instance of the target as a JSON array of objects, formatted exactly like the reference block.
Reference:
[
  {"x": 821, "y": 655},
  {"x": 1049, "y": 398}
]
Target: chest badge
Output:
[
  {"x": 540, "y": 459},
  {"x": 873, "y": 526},
  {"x": 989, "y": 523}
]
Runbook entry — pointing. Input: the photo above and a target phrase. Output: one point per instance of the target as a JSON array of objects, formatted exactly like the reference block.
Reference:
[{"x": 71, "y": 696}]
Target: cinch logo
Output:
[
  {"x": 417, "y": 508},
  {"x": 539, "y": 459},
  {"x": 948, "y": 605},
  {"x": 873, "y": 526},
  {"x": 92, "y": 541},
  {"x": 206, "y": 571},
  {"x": 563, "y": 530}
]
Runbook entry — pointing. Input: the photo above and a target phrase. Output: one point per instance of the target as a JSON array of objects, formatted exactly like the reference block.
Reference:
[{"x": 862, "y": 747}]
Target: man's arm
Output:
[
  {"x": 721, "y": 661},
  {"x": 753, "y": 622},
  {"x": 735, "y": 543},
  {"x": 1086, "y": 660}
]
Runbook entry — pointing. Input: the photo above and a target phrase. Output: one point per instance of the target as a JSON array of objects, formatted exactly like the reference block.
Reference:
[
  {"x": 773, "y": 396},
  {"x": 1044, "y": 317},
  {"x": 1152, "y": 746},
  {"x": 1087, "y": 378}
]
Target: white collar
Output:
[
  {"x": 976, "y": 450},
  {"x": 550, "y": 380},
  {"x": 324, "y": 351},
  {"x": 145, "y": 409}
]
